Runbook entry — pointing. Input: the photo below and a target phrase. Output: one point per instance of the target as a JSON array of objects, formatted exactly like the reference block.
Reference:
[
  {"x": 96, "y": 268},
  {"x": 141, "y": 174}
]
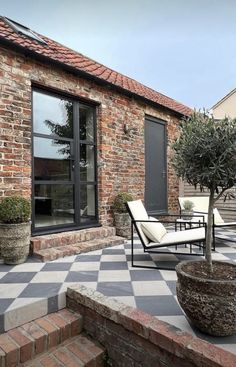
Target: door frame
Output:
[
  {"x": 164, "y": 123},
  {"x": 76, "y": 182}
]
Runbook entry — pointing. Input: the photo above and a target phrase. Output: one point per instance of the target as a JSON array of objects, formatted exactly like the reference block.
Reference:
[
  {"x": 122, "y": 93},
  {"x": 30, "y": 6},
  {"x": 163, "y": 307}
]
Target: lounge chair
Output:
[
  {"x": 153, "y": 235},
  {"x": 201, "y": 207}
]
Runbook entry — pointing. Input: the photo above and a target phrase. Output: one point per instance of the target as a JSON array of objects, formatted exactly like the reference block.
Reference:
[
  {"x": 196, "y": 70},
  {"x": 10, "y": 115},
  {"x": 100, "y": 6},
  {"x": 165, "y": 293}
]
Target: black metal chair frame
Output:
[{"x": 200, "y": 243}]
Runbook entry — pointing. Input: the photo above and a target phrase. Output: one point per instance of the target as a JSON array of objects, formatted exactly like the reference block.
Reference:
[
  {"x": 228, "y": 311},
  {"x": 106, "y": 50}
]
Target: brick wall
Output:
[
  {"x": 135, "y": 339},
  {"x": 120, "y": 157}
]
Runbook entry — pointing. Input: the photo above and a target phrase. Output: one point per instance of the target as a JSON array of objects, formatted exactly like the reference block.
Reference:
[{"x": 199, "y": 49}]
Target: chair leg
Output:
[{"x": 132, "y": 245}]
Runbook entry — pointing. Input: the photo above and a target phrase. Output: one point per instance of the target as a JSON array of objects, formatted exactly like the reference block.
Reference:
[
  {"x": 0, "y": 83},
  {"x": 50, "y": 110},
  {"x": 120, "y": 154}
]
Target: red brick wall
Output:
[
  {"x": 120, "y": 157},
  {"x": 134, "y": 338}
]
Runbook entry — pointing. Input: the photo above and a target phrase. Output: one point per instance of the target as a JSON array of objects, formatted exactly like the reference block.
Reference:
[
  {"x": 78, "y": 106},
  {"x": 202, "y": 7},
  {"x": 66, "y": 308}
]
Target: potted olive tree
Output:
[
  {"x": 205, "y": 155},
  {"x": 121, "y": 216},
  {"x": 14, "y": 229}
]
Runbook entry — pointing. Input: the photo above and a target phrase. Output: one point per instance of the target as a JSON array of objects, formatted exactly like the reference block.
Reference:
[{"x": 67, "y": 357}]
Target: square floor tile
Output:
[
  {"x": 2, "y": 274},
  {"x": 172, "y": 285},
  {"x": 23, "y": 277},
  {"x": 113, "y": 276},
  {"x": 5, "y": 303},
  {"x": 113, "y": 265},
  {"x": 114, "y": 257},
  {"x": 88, "y": 258},
  {"x": 11, "y": 290},
  {"x": 231, "y": 255},
  {"x": 159, "y": 305},
  {"x": 145, "y": 274},
  {"x": 50, "y": 277},
  {"x": 114, "y": 289},
  {"x": 85, "y": 266},
  {"x": 139, "y": 257},
  {"x": 82, "y": 276},
  {"x": 56, "y": 267},
  {"x": 168, "y": 274},
  {"x": 113, "y": 251},
  {"x": 27, "y": 267},
  {"x": 151, "y": 288},
  {"x": 20, "y": 302},
  {"x": 40, "y": 290},
  {"x": 65, "y": 259}
]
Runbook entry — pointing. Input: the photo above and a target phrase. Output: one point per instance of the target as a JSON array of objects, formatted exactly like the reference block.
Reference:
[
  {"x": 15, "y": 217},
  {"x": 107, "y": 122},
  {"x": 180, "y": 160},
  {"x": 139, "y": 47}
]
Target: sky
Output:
[{"x": 185, "y": 49}]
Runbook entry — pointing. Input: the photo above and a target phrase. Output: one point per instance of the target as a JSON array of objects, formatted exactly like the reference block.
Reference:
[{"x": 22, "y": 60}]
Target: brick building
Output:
[{"x": 74, "y": 133}]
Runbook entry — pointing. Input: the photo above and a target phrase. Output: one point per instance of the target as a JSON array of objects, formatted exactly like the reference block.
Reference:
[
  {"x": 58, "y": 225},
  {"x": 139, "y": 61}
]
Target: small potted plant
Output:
[
  {"x": 205, "y": 155},
  {"x": 14, "y": 229},
  {"x": 121, "y": 216},
  {"x": 188, "y": 209}
]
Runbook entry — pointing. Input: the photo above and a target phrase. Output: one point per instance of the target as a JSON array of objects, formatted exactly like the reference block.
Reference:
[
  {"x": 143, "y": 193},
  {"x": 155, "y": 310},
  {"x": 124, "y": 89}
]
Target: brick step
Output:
[
  {"x": 70, "y": 238},
  {"x": 54, "y": 253},
  {"x": 79, "y": 351},
  {"x": 23, "y": 343}
]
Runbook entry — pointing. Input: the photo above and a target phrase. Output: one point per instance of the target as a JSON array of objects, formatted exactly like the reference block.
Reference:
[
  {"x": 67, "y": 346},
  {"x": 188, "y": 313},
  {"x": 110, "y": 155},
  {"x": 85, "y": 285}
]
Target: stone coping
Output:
[{"x": 168, "y": 338}]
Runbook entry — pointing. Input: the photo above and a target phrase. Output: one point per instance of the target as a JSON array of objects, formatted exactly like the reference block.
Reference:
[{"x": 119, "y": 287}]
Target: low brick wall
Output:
[{"x": 133, "y": 338}]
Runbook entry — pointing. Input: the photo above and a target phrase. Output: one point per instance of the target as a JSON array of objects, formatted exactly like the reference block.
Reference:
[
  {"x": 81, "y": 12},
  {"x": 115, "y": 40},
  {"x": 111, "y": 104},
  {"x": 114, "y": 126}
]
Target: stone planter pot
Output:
[
  {"x": 209, "y": 304},
  {"x": 123, "y": 225},
  {"x": 188, "y": 214},
  {"x": 14, "y": 242}
]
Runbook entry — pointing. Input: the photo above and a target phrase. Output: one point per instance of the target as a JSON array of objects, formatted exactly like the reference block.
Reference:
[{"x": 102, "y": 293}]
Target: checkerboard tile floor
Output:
[{"x": 109, "y": 271}]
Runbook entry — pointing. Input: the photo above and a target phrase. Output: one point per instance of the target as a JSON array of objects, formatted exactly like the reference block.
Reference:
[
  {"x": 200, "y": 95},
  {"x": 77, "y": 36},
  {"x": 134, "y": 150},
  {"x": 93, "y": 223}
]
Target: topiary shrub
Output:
[
  {"x": 15, "y": 210},
  {"x": 120, "y": 201}
]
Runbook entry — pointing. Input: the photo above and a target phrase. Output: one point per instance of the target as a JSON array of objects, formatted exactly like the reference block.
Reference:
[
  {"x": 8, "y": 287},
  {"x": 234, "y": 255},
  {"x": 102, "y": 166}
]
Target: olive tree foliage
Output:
[{"x": 205, "y": 156}]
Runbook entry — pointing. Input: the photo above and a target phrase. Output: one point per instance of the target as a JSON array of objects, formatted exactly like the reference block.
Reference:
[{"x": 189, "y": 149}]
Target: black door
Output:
[
  {"x": 155, "y": 166},
  {"x": 64, "y": 163}
]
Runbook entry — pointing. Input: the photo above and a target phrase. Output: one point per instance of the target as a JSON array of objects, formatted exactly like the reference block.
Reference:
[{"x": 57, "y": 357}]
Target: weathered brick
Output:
[
  {"x": 121, "y": 160},
  {"x": 52, "y": 330},
  {"x": 25, "y": 343}
]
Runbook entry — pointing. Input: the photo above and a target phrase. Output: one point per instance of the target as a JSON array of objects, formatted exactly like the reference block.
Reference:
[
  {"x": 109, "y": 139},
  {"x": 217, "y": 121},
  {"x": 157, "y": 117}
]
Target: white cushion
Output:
[
  {"x": 189, "y": 235},
  {"x": 218, "y": 220},
  {"x": 154, "y": 231},
  {"x": 139, "y": 213},
  {"x": 217, "y": 217}
]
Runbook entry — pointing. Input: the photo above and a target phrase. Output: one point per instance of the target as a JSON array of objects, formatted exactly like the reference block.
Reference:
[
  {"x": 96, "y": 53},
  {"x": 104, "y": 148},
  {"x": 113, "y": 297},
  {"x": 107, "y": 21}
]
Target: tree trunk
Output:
[{"x": 209, "y": 230}]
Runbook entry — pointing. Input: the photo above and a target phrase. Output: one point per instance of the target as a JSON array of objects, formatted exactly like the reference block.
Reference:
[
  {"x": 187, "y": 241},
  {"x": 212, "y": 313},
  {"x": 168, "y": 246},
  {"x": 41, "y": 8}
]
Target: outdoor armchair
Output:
[
  {"x": 201, "y": 207},
  {"x": 153, "y": 235}
]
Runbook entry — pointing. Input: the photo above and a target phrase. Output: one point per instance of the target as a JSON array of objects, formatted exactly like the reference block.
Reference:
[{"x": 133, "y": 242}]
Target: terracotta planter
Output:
[
  {"x": 123, "y": 225},
  {"x": 209, "y": 304},
  {"x": 14, "y": 242}
]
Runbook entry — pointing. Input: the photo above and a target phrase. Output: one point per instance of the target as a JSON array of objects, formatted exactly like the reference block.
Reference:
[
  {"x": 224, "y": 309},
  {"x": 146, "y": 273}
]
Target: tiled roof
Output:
[{"x": 58, "y": 53}]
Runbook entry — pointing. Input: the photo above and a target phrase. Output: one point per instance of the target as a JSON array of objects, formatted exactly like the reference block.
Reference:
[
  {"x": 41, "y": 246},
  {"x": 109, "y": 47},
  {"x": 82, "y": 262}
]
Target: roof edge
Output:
[
  {"x": 31, "y": 53},
  {"x": 224, "y": 98}
]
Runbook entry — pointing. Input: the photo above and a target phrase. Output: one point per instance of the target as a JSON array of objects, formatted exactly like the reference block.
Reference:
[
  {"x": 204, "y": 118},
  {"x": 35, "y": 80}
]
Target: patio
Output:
[{"x": 33, "y": 289}]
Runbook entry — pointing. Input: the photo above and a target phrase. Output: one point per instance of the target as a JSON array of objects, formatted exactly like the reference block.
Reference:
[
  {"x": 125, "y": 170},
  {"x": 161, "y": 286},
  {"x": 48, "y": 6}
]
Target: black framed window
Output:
[{"x": 64, "y": 163}]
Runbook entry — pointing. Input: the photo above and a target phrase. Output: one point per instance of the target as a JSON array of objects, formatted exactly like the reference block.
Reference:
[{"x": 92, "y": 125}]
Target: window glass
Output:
[
  {"x": 87, "y": 202},
  {"x": 86, "y": 162},
  {"x": 86, "y": 117},
  {"x": 52, "y": 159},
  {"x": 52, "y": 115},
  {"x": 54, "y": 204}
]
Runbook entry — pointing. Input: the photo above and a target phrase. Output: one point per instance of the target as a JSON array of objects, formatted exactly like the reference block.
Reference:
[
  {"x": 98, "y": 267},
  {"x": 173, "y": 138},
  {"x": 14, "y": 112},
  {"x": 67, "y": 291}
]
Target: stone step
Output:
[
  {"x": 79, "y": 351},
  {"x": 70, "y": 238},
  {"x": 54, "y": 253},
  {"x": 23, "y": 343}
]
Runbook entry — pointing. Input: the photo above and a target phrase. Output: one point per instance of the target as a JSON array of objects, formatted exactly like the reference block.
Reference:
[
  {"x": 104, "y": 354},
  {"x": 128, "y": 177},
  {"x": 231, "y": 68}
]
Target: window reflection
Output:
[
  {"x": 52, "y": 115},
  {"x": 52, "y": 161},
  {"x": 87, "y": 202},
  {"x": 86, "y": 162},
  {"x": 54, "y": 204},
  {"x": 86, "y": 123}
]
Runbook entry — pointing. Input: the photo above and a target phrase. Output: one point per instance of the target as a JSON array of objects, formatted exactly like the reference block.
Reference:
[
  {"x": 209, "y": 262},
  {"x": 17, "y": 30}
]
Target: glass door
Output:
[{"x": 64, "y": 174}]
